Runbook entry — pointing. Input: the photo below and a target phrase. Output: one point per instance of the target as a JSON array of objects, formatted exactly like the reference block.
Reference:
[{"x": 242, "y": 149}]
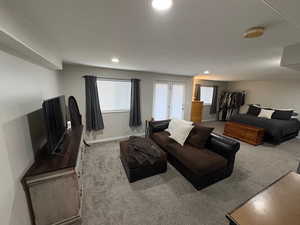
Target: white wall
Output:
[
  {"x": 273, "y": 93},
  {"x": 222, "y": 86},
  {"x": 16, "y": 25},
  {"x": 116, "y": 124},
  {"x": 23, "y": 86}
]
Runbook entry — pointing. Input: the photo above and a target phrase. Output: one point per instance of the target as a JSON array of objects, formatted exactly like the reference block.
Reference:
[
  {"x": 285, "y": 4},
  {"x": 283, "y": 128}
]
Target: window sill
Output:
[
  {"x": 207, "y": 104},
  {"x": 115, "y": 111}
]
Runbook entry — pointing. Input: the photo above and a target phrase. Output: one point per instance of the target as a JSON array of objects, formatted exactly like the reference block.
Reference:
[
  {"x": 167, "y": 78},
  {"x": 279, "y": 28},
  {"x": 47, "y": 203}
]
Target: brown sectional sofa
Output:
[{"x": 201, "y": 166}]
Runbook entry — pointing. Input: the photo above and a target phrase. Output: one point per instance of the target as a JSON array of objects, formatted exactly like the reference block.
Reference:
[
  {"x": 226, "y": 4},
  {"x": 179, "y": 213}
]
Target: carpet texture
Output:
[{"x": 169, "y": 199}]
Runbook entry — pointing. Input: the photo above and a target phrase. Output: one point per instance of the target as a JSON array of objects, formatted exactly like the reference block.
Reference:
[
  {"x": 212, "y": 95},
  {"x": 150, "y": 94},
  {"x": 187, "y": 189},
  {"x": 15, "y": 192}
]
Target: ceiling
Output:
[{"x": 195, "y": 35}]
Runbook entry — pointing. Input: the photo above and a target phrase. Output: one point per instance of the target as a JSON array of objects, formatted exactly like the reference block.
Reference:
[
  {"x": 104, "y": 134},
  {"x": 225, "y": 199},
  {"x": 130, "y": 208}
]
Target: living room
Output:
[{"x": 224, "y": 74}]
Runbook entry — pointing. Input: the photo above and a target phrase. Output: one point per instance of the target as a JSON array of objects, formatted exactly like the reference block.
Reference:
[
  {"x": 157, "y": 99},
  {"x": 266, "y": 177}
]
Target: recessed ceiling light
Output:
[
  {"x": 206, "y": 72},
  {"x": 162, "y": 4},
  {"x": 254, "y": 32},
  {"x": 115, "y": 60}
]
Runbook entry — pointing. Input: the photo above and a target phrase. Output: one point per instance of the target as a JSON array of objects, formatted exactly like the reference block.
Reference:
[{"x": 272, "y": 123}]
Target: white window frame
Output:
[
  {"x": 207, "y": 104},
  {"x": 116, "y": 80},
  {"x": 170, "y": 83}
]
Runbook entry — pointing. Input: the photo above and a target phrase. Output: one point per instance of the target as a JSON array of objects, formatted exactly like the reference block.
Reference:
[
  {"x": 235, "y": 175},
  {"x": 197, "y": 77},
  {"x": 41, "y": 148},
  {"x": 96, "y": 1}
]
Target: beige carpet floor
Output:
[{"x": 169, "y": 199}]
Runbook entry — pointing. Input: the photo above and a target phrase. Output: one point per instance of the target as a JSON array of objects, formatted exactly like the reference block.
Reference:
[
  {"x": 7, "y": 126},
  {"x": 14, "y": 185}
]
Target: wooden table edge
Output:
[{"x": 228, "y": 215}]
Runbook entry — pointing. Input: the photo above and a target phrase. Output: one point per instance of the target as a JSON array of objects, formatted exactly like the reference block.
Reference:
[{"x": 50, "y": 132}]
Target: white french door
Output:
[{"x": 168, "y": 100}]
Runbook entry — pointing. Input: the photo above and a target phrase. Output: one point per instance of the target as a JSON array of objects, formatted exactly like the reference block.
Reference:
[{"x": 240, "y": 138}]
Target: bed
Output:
[{"x": 276, "y": 131}]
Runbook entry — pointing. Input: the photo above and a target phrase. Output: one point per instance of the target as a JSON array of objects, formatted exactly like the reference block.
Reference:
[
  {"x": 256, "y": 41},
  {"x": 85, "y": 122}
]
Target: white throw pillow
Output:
[
  {"x": 174, "y": 123},
  {"x": 266, "y": 113},
  {"x": 180, "y": 130},
  {"x": 286, "y": 109}
]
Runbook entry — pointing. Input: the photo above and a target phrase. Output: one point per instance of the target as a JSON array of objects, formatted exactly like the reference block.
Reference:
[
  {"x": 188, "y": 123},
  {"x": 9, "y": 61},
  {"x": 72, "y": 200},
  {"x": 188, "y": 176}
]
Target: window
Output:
[
  {"x": 168, "y": 100},
  {"x": 206, "y": 95},
  {"x": 114, "y": 95}
]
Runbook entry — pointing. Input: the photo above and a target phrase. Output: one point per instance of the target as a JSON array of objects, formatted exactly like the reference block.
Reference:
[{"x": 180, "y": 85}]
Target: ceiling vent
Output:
[{"x": 291, "y": 57}]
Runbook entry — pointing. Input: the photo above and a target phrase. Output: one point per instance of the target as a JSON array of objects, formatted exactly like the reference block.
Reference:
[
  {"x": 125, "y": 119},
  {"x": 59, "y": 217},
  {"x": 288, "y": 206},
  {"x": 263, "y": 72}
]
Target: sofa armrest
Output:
[
  {"x": 157, "y": 126},
  {"x": 223, "y": 146}
]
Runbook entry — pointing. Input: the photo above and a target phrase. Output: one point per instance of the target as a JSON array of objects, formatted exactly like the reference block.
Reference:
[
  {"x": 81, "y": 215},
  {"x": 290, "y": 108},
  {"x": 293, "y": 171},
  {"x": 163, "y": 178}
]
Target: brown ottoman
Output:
[{"x": 135, "y": 171}]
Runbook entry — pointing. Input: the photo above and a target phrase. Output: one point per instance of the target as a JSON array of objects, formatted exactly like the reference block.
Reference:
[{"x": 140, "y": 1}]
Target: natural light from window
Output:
[
  {"x": 206, "y": 95},
  {"x": 114, "y": 95},
  {"x": 169, "y": 100}
]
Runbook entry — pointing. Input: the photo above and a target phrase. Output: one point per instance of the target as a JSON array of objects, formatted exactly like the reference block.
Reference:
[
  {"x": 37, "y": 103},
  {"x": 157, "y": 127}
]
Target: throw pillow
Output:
[
  {"x": 265, "y": 113},
  {"x": 283, "y": 114},
  {"x": 199, "y": 135},
  {"x": 180, "y": 130},
  {"x": 253, "y": 110},
  {"x": 174, "y": 123}
]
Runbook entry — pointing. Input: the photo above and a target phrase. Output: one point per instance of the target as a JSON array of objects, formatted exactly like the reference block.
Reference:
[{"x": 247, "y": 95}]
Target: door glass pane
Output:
[
  {"x": 160, "y": 111},
  {"x": 177, "y": 101}
]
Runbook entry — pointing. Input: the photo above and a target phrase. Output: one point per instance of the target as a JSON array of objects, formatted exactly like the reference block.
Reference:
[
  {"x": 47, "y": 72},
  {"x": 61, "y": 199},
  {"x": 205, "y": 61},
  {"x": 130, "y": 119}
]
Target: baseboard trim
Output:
[
  {"x": 212, "y": 120},
  {"x": 112, "y": 139}
]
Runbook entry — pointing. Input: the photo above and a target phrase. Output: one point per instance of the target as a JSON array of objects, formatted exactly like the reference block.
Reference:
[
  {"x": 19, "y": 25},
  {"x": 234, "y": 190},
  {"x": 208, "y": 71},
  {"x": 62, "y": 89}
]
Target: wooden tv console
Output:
[{"x": 53, "y": 185}]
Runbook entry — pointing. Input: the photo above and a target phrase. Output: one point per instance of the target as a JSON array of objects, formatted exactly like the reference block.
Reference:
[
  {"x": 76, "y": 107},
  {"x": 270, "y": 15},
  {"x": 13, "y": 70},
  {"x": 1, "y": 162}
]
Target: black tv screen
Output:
[{"x": 55, "y": 120}]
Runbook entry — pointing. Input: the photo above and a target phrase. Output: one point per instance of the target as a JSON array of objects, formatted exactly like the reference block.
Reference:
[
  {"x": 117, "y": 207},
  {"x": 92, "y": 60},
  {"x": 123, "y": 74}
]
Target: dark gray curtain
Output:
[
  {"x": 197, "y": 92},
  {"x": 213, "y": 107},
  {"x": 94, "y": 120},
  {"x": 135, "y": 108}
]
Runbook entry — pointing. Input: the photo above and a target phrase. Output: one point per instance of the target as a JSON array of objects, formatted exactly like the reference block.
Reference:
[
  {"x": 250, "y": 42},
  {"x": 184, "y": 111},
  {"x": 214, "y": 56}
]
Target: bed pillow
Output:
[
  {"x": 268, "y": 108},
  {"x": 281, "y": 114},
  {"x": 199, "y": 135},
  {"x": 294, "y": 115},
  {"x": 253, "y": 110},
  {"x": 265, "y": 113},
  {"x": 180, "y": 130}
]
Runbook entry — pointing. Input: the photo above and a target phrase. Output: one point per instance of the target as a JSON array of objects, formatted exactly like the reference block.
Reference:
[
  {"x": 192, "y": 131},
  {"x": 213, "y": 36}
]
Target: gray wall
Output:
[
  {"x": 222, "y": 86},
  {"x": 116, "y": 124},
  {"x": 274, "y": 93},
  {"x": 16, "y": 25},
  {"x": 23, "y": 86}
]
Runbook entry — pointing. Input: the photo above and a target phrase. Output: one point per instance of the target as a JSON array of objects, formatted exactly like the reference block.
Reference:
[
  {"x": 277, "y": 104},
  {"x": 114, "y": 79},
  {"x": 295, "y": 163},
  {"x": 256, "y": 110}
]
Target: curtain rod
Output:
[{"x": 111, "y": 78}]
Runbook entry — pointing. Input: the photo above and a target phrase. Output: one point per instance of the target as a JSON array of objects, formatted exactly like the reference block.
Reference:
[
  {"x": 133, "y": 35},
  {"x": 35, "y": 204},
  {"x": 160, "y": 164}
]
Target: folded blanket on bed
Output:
[{"x": 143, "y": 150}]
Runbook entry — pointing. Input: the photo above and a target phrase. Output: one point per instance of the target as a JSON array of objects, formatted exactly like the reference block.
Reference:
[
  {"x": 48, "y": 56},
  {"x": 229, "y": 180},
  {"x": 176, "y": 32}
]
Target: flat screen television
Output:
[{"x": 55, "y": 120}]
